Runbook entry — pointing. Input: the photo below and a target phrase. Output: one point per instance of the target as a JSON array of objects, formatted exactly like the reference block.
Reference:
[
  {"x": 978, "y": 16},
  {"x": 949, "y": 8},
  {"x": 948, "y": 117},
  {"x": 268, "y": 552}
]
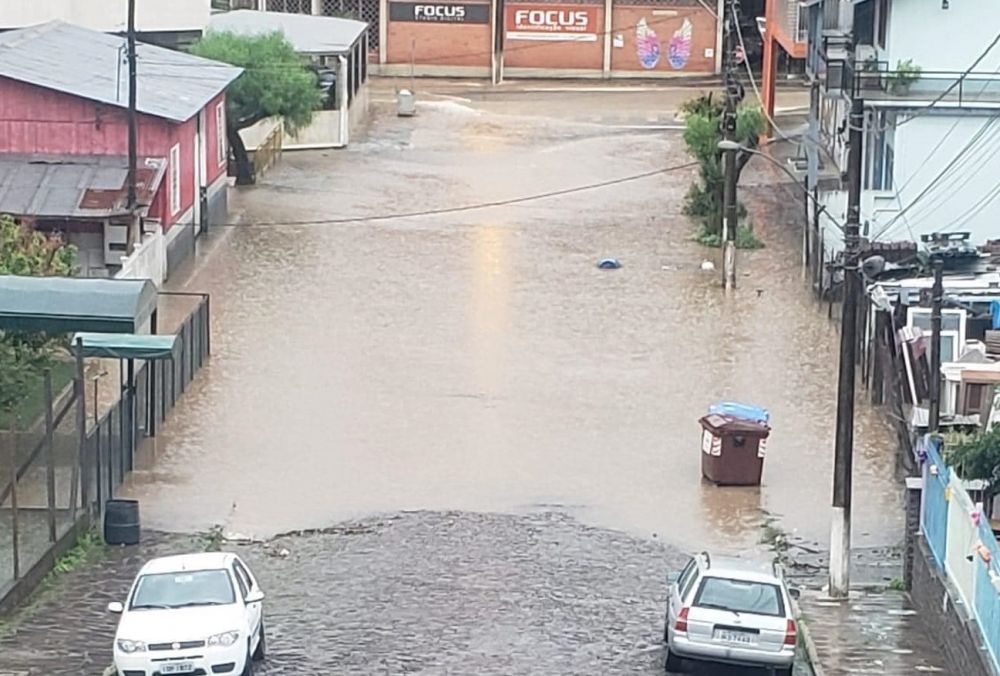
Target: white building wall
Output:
[
  {"x": 965, "y": 199},
  {"x": 108, "y": 15},
  {"x": 942, "y": 39}
]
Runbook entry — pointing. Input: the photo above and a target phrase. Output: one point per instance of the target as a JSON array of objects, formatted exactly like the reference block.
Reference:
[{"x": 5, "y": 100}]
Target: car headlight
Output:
[
  {"x": 225, "y": 639},
  {"x": 129, "y": 647}
]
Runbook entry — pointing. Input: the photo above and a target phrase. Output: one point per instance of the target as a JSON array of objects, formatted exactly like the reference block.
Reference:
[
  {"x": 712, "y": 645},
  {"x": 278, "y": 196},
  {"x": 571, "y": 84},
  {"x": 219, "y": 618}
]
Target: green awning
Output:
[
  {"x": 71, "y": 304},
  {"x": 128, "y": 345}
]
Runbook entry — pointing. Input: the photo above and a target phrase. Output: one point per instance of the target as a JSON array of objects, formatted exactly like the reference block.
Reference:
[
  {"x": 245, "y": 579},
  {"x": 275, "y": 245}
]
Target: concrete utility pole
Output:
[
  {"x": 729, "y": 211},
  {"x": 937, "y": 299},
  {"x": 840, "y": 533},
  {"x": 133, "y": 135}
]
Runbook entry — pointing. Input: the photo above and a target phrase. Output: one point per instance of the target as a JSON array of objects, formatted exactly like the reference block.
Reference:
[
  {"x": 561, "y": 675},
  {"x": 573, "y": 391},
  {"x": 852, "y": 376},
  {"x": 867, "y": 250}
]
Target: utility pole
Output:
[
  {"x": 133, "y": 135},
  {"x": 937, "y": 299},
  {"x": 729, "y": 212},
  {"x": 840, "y": 532}
]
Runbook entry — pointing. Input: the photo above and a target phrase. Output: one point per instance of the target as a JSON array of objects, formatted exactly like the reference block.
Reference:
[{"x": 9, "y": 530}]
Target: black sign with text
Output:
[{"x": 444, "y": 12}]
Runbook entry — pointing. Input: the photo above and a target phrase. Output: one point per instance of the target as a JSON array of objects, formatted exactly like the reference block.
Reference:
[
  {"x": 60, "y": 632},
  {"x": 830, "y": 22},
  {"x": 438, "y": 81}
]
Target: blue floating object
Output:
[
  {"x": 609, "y": 264},
  {"x": 741, "y": 411}
]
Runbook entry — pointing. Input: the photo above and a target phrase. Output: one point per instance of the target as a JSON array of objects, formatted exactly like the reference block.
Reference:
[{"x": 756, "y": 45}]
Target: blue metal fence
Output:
[
  {"x": 985, "y": 560},
  {"x": 935, "y": 517}
]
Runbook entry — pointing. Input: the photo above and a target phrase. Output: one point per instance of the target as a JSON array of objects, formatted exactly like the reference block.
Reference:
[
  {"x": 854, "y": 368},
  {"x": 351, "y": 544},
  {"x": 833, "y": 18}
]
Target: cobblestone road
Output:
[{"x": 427, "y": 593}]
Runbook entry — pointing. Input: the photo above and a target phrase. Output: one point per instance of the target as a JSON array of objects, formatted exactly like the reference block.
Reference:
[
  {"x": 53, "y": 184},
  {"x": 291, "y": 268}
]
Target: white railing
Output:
[{"x": 148, "y": 260}]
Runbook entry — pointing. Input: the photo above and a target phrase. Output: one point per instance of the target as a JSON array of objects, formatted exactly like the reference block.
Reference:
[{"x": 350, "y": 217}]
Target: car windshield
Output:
[
  {"x": 183, "y": 589},
  {"x": 741, "y": 596}
]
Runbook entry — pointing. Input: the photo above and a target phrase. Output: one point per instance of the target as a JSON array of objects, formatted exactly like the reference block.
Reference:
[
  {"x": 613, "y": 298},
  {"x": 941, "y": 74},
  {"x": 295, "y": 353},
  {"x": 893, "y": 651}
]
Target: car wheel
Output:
[
  {"x": 248, "y": 664},
  {"x": 673, "y": 663},
  {"x": 261, "y": 650}
]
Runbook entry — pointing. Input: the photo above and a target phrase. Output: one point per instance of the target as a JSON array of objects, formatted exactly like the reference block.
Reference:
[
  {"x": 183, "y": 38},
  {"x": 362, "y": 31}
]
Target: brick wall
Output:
[
  {"x": 663, "y": 27},
  {"x": 439, "y": 44},
  {"x": 955, "y": 636}
]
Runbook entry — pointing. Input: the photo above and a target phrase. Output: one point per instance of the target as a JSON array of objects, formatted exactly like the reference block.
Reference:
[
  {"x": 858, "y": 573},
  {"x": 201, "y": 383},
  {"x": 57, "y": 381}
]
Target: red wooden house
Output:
[{"x": 64, "y": 139}]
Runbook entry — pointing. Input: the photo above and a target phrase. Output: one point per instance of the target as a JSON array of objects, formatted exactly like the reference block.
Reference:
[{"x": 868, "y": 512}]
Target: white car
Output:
[
  {"x": 192, "y": 614},
  {"x": 731, "y": 611}
]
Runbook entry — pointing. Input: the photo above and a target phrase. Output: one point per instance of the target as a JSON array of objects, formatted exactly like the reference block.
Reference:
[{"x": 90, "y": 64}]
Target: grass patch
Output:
[
  {"x": 897, "y": 585},
  {"x": 212, "y": 539},
  {"x": 745, "y": 239},
  {"x": 86, "y": 549},
  {"x": 32, "y": 407}
]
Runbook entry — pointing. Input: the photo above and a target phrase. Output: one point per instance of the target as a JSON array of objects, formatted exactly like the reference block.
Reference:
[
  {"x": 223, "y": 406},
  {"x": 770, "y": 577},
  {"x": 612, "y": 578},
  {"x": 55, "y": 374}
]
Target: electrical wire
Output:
[
  {"x": 456, "y": 209},
  {"x": 937, "y": 179}
]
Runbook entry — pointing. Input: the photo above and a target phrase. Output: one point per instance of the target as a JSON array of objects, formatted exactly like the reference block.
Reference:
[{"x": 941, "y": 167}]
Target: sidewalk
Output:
[{"x": 875, "y": 632}]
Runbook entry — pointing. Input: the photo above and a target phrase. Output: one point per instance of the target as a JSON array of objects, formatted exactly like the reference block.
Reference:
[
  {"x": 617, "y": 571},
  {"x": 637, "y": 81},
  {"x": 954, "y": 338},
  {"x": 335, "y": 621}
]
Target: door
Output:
[{"x": 255, "y": 611}]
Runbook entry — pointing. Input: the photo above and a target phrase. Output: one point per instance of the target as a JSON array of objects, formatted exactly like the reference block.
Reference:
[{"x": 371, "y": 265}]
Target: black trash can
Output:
[{"x": 121, "y": 522}]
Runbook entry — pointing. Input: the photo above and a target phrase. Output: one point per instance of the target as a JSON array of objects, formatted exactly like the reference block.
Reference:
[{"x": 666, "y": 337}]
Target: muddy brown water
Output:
[{"x": 480, "y": 361}]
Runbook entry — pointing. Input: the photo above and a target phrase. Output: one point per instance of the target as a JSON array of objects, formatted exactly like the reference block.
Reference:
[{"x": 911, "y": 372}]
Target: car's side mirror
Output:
[
  {"x": 116, "y": 608},
  {"x": 673, "y": 577},
  {"x": 255, "y": 596},
  {"x": 795, "y": 593}
]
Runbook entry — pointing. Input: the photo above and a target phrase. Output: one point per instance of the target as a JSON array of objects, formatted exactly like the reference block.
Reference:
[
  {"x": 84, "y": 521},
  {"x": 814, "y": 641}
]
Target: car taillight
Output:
[
  {"x": 682, "y": 620},
  {"x": 791, "y": 633}
]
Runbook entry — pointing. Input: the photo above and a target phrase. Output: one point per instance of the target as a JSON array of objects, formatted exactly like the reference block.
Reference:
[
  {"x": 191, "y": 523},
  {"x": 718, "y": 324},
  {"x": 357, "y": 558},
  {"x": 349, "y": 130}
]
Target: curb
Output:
[{"x": 807, "y": 641}]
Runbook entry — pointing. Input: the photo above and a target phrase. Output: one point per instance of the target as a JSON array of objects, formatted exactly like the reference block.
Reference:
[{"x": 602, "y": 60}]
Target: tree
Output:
[
  {"x": 702, "y": 133},
  {"x": 977, "y": 457},
  {"x": 25, "y": 251},
  {"x": 275, "y": 82}
]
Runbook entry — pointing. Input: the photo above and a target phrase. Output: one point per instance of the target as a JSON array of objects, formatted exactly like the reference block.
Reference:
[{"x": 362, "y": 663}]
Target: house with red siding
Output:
[{"x": 64, "y": 140}]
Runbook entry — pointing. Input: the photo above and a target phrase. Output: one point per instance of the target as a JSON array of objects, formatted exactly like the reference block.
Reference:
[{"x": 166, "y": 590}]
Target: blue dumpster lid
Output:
[{"x": 734, "y": 409}]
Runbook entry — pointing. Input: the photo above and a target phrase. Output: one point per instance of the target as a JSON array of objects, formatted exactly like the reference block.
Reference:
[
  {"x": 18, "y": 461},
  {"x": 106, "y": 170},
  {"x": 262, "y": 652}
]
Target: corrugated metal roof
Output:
[
  {"x": 308, "y": 34},
  {"x": 73, "y": 186},
  {"x": 91, "y": 65}
]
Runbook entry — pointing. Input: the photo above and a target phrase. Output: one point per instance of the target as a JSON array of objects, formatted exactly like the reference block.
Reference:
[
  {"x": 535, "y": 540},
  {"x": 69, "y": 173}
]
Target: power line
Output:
[
  {"x": 935, "y": 181},
  {"x": 456, "y": 209}
]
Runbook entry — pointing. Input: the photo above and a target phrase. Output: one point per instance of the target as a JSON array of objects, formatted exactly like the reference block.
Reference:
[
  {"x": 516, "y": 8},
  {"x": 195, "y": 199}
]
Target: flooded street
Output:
[{"x": 479, "y": 361}]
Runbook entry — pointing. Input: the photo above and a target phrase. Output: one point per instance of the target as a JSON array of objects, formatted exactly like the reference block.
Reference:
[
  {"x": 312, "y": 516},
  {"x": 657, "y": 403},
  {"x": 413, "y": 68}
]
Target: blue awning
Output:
[{"x": 128, "y": 345}]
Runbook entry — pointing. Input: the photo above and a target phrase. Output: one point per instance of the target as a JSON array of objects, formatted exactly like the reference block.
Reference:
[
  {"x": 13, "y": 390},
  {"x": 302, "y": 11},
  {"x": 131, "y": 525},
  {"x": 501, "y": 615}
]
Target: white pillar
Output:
[
  {"x": 719, "y": 23},
  {"x": 383, "y": 30},
  {"x": 317, "y": 7},
  {"x": 342, "y": 105},
  {"x": 608, "y": 28}
]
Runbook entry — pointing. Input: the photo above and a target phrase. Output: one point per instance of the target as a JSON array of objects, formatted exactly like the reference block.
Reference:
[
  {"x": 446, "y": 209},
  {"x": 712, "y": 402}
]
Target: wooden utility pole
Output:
[
  {"x": 840, "y": 532},
  {"x": 937, "y": 299},
  {"x": 133, "y": 135},
  {"x": 730, "y": 214}
]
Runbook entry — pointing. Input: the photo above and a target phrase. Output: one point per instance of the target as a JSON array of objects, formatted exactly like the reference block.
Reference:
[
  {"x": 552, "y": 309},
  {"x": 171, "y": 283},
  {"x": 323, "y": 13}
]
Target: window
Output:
[
  {"x": 741, "y": 596},
  {"x": 952, "y": 330},
  {"x": 881, "y": 154},
  {"x": 220, "y": 133},
  {"x": 881, "y": 22},
  {"x": 175, "y": 179},
  {"x": 243, "y": 574},
  {"x": 175, "y": 590},
  {"x": 244, "y": 587}
]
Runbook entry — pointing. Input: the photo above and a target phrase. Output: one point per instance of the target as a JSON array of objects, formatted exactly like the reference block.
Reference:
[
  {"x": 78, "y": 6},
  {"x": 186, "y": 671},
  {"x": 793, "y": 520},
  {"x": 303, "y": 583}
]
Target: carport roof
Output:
[
  {"x": 71, "y": 304},
  {"x": 307, "y": 34}
]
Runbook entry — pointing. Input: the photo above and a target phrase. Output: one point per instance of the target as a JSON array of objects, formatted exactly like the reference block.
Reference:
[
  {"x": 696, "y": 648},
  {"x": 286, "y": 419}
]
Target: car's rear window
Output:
[{"x": 759, "y": 598}]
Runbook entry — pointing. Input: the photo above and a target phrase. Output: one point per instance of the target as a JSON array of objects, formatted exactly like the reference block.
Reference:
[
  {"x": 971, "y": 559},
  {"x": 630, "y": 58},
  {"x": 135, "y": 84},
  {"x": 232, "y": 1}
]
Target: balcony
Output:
[{"x": 879, "y": 85}]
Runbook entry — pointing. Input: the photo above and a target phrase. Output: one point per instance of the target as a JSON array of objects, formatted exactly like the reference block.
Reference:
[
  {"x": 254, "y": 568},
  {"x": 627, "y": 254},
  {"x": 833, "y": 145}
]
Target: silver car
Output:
[{"x": 730, "y": 611}]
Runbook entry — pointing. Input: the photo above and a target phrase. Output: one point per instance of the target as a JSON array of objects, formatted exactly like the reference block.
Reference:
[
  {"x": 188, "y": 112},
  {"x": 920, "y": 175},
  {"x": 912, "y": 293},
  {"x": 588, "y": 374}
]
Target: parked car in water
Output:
[
  {"x": 730, "y": 611},
  {"x": 190, "y": 614}
]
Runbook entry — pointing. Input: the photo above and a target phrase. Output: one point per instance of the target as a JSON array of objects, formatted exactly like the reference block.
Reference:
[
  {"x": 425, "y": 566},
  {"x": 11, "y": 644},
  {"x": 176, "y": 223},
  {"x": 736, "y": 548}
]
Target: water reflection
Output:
[{"x": 479, "y": 360}]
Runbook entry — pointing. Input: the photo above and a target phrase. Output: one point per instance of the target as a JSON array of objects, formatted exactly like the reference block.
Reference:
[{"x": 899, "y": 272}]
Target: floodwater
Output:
[{"x": 480, "y": 361}]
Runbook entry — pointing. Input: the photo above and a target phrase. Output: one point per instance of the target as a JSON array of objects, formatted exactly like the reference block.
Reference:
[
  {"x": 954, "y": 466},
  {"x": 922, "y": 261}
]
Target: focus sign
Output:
[
  {"x": 444, "y": 12},
  {"x": 576, "y": 23}
]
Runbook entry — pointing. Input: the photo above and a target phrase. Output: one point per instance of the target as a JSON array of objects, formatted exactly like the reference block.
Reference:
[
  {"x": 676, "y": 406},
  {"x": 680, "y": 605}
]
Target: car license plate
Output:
[
  {"x": 729, "y": 636},
  {"x": 177, "y": 668}
]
